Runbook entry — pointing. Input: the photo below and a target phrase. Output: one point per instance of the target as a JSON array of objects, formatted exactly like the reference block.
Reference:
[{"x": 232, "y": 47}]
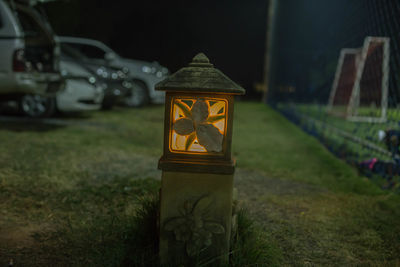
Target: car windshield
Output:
[
  {"x": 89, "y": 51},
  {"x": 109, "y": 50},
  {"x": 67, "y": 51}
]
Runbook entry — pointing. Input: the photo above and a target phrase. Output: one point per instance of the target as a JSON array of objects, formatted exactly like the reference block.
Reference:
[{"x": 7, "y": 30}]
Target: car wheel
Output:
[
  {"x": 107, "y": 104},
  {"x": 36, "y": 106},
  {"x": 139, "y": 95}
]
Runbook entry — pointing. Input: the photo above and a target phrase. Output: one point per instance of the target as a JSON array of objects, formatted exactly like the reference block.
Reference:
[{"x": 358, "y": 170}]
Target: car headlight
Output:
[
  {"x": 159, "y": 74},
  {"x": 127, "y": 84},
  {"x": 146, "y": 69},
  {"x": 165, "y": 71},
  {"x": 102, "y": 72},
  {"x": 99, "y": 71},
  {"x": 121, "y": 74},
  {"x": 117, "y": 92},
  {"x": 125, "y": 70},
  {"x": 114, "y": 75},
  {"x": 92, "y": 80}
]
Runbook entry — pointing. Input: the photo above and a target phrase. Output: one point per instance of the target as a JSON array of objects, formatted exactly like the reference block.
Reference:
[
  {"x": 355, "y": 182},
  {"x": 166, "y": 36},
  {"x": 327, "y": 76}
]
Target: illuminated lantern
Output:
[
  {"x": 198, "y": 121},
  {"x": 197, "y": 179}
]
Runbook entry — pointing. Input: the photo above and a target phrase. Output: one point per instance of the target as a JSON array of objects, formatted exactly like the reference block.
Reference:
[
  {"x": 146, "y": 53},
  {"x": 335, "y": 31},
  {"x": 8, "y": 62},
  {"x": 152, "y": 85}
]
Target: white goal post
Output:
[
  {"x": 344, "y": 80},
  {"x": 361, "y": 82},
  {"x": 371, "y": 45}
]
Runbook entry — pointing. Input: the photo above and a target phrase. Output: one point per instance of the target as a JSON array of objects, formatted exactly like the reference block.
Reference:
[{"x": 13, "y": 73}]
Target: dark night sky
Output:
[
  {"x": 310, "y": 34},
  {"x": 230, "y": 33}
]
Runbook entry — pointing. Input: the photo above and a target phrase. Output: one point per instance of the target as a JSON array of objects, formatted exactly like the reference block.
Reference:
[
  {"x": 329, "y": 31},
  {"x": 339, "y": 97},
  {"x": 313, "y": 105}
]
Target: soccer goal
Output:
[
  {"x": 360, "y": 88},
  {"x": 343, "y": 83},
  {"x": 369, "y": 97}
]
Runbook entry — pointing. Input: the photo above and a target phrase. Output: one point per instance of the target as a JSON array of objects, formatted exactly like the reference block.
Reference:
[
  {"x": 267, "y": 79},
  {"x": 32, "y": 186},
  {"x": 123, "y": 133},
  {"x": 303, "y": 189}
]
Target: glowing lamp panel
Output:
[{"x": 198, "y": 125}]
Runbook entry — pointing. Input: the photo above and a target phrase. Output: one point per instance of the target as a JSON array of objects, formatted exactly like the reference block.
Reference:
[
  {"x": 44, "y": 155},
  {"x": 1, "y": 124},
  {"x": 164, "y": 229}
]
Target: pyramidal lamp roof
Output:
[{"x": 200, "y": 76}]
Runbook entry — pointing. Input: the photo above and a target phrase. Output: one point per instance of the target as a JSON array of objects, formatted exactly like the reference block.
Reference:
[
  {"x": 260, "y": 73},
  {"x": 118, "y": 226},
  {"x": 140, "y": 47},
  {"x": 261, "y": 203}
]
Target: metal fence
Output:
[{"x": 334, "y": 70}]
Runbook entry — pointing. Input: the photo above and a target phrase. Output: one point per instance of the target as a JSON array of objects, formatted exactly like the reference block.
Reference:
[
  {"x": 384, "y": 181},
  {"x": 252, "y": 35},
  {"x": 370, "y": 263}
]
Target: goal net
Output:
[
  {"x": 343, "y": 83},
  {"x": 360, "y": 88}
]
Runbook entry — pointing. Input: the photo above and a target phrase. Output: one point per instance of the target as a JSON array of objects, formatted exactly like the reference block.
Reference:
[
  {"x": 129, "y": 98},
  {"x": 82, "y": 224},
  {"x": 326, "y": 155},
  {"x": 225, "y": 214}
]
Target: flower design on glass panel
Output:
[{"x": 198, "y": 124}]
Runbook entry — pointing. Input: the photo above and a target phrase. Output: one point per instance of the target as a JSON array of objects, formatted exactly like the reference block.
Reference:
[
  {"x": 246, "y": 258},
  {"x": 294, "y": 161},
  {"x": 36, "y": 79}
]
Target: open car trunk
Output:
[{"x": 41, "y": 53}]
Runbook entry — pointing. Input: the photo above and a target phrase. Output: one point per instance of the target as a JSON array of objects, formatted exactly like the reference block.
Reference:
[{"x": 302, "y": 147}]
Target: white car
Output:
[
  {"x": 82, "y": 92},
  {"x": 29, "y": 53},
  {"x": 144, "y": 74}
]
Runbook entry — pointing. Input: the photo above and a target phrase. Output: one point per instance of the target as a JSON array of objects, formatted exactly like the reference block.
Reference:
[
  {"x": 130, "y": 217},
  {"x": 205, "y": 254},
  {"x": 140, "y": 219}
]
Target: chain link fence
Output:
[{"x": 334, "y": 71}]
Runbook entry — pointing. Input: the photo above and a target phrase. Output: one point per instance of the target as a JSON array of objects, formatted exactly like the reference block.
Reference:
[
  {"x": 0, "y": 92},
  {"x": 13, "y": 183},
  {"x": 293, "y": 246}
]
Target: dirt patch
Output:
[
  {"x": 256, "y": 182},
  {"x": 109, "y": 165},
  {"x": 17, "y": 242},
  {"x": 18, "y": 237},
  {"x": 254, "y": 187},
  {"x": 23, "y": 124}
]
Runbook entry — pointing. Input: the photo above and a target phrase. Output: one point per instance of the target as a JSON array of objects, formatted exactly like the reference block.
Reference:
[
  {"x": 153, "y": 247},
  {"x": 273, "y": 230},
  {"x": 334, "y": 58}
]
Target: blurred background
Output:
[
  {"x": 230, "y": 33},
  {"x": 330, "y": 66},
  {"x": 334, "y": 70}
]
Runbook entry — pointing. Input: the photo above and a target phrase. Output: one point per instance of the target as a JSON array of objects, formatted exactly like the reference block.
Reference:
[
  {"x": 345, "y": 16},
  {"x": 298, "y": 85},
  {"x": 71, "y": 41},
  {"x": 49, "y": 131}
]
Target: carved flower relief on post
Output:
[
  {"x": 199, "y": 125},
  {"x": 192, "y": 227}
]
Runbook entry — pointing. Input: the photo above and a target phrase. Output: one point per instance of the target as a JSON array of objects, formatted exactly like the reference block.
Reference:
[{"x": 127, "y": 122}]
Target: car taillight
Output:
[{"x": 19, "y": 63}]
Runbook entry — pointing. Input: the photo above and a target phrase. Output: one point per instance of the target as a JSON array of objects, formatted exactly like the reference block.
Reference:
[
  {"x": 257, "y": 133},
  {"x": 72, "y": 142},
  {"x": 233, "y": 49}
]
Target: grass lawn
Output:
[
  {"x": 68, "y": 192},
  {"x": 365, "y": 130}
]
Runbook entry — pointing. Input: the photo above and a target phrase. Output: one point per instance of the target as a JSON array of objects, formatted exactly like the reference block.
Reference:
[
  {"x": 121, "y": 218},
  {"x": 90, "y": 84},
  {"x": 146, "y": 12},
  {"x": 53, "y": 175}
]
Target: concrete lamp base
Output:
[{"x": 195, "y": 218}]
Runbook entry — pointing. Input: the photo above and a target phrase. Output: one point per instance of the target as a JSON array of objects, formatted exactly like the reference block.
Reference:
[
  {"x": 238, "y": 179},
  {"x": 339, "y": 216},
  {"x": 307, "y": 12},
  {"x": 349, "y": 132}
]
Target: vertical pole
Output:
[{"x": 272, "y": 8}]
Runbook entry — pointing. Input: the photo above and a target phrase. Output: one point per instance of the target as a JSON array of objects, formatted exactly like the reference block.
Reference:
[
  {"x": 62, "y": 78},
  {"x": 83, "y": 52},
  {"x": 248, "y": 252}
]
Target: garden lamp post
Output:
[{"x": 197, "y": 178}]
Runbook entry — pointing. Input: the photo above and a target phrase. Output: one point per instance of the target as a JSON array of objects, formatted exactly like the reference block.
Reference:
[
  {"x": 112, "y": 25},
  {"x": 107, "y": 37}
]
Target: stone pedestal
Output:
[
  {"x": 195, "y": 217},
  {"x": 197, "y": 180}
]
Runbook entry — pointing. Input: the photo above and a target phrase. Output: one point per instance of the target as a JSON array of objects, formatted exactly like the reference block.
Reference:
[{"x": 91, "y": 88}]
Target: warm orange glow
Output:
[{"x": 182, "y": 108}]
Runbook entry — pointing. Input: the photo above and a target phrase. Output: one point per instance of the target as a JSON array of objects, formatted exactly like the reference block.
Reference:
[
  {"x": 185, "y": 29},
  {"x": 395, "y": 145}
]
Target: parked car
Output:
[
  {"x": 144, "y": 74},
  {"x": 82, "y": 93},
  {"x": 119, "y": 85},
  {"x": 82, "y": 90},
  {"x": 29, "y": 58}
]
